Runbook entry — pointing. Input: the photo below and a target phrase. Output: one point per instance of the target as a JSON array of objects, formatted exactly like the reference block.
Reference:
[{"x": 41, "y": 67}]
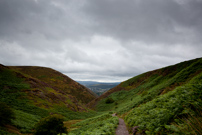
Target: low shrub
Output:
[
  {"x": 51, "y": 125},
  {"x": 6, "y": 114},
  {"x": 109, "y": 101}
]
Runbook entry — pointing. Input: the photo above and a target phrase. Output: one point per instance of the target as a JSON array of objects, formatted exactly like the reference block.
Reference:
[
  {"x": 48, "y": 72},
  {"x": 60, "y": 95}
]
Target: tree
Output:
[
  {"x": 6, "y": 114},
  {"x": 51, "y": 125},
  {"x": 109, "y": 101}
]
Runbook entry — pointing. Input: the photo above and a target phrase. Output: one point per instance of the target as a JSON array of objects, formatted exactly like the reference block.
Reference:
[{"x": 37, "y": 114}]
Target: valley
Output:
[
  {"x": 162, "y": 101},
  {"x": 98, "y": 87}
]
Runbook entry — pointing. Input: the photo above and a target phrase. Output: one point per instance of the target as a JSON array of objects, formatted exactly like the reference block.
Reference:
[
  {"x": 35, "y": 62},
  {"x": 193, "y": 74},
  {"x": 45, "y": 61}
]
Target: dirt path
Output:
[{"x": 121, "y": 129}]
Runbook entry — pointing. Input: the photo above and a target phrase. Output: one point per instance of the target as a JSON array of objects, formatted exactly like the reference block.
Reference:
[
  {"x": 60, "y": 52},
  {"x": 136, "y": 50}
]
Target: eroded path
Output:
[{"x": 121, "y": 129}]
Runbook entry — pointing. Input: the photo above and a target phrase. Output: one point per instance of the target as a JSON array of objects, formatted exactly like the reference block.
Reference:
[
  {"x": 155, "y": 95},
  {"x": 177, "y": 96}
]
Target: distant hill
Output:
[{"x": 98, "y": 87}]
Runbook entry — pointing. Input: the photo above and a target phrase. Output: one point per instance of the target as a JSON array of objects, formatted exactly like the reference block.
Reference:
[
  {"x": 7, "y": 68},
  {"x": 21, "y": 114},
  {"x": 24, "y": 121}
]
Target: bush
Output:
[
  {"x": 51, "y": 125},
  {"x": 6, "y": 114},
  {"x": 109, "y": 101}
]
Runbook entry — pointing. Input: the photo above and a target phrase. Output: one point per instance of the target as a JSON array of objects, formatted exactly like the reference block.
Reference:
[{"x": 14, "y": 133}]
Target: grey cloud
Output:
[
  {"x": 43, "y": 17},
  {"x": 154, "y": 21},
  {"x": 100, "y": 39}
]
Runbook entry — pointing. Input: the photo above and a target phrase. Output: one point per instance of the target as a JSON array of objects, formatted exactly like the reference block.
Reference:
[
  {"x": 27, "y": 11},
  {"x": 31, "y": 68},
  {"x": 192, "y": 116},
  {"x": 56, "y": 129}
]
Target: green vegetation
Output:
[
  {"x": 109, "y": 101},
  {"x": 51, "y": 125},
  {"x": 155, "y": 99},
  {"x": 30, "y": 100},
  {"x": 156, "y": 114},
  {"x": 101, "y": 125},
  {"x": 190, "y": 124},
  {"x": 12, "y": 93},
  {"x": 163, "y": 101},
  {"x": 61, "y": 83},
  {"x": 94, "y": 119},
  {"x": 3, "y": 132},
  {"x": 71, "y": 115},
  {"x": 6, "y": 114},
  {"x": 25, "y": 121}
]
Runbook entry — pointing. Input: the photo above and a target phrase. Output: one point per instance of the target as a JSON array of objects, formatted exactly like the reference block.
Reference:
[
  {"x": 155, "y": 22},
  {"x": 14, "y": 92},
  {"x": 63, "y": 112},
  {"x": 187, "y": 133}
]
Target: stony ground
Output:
[{"x": 121, "y": 129}]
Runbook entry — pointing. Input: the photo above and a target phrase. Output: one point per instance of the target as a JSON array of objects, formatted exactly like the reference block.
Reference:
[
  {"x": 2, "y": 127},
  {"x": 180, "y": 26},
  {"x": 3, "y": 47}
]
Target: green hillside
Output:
[
  {"x": 163, "y": 101},
  {"x": 157, "y": 99},
  {"x": 36, "y": 92},
  {"x": 58, "y": 81}
]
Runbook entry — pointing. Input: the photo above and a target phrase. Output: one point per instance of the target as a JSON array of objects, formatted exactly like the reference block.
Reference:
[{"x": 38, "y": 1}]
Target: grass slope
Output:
[
  {"x": 58, "y": 81},
  {"x": 32, "y": 98},
  {"x": 104, "y": 124},
  {"x": 153, "y": 100},
  {"x": 163, "y": 101}
]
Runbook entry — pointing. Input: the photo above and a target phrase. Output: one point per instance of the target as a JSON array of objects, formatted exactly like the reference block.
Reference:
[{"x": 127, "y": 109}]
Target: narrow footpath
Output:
[{"x": 121, "y": 129}]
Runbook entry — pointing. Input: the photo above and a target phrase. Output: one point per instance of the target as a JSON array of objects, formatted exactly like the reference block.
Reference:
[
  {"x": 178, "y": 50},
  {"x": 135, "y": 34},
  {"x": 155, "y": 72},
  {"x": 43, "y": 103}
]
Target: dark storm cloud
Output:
[
  {"x": 49, "y": 19},
  {"x": 104, "y": 40},
  {"x": 14, "y": 16},
  {"x": 153, "y": 21}
]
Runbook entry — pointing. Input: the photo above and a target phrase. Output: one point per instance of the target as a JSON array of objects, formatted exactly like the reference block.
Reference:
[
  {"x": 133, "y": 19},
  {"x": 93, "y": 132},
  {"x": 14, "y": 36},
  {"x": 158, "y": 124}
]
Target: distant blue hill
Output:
[{"x": 99, "y": 87}]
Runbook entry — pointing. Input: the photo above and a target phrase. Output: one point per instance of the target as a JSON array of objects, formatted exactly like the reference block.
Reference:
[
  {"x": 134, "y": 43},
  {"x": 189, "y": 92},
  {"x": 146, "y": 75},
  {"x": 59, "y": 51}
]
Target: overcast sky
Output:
[{"x": 100, "y": 40}]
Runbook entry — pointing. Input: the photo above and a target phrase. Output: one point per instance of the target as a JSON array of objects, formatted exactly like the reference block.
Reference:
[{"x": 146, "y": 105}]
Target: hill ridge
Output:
[
  {"x": 54, "y": 78},
  {"x": 132, "y": 84},
  {"x": 157, "y": 101},
  {"x": 154, "y": 102}
]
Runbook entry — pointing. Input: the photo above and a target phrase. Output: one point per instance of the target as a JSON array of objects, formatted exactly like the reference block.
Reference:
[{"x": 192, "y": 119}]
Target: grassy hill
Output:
[
  {"x": 163, "y": 101},
  {"x": 58, "y": 81},
  {"x": 36, "y": 92},
  {"x": 157, "y": 99}
]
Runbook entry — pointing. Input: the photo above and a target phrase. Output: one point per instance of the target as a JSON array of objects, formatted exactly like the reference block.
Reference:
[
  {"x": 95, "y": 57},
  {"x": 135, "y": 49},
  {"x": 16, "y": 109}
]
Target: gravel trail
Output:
[{"x": 121, "y": 129}]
